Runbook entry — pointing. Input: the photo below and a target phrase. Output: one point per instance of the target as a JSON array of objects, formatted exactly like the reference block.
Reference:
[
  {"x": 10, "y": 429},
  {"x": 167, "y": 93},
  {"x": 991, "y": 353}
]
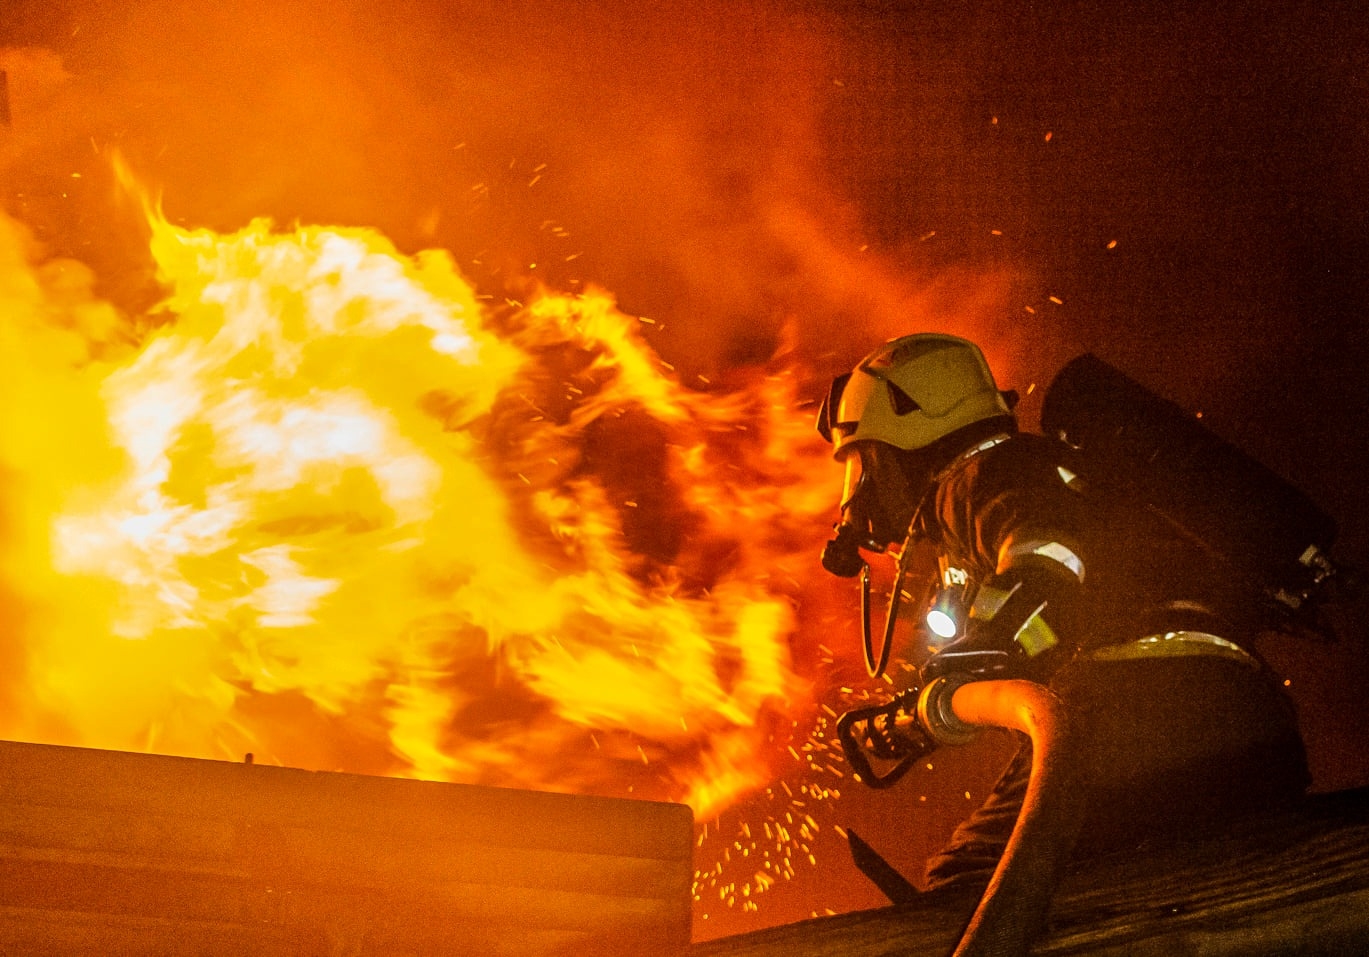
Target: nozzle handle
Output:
[{"x": 917, "y": 743}]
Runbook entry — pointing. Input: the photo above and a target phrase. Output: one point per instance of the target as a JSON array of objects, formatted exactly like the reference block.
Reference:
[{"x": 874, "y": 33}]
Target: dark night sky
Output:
[{"x": 847, "y": 169}]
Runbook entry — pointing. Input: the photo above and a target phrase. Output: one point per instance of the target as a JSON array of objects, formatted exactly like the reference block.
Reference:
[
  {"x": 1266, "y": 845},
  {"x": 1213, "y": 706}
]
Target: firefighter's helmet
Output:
[{"x": 911, "y": 392}]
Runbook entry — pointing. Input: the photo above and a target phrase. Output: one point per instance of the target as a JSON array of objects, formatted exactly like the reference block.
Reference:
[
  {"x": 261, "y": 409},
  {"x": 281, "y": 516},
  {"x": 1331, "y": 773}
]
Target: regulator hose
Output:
[{"x": 1012, "y": 912}]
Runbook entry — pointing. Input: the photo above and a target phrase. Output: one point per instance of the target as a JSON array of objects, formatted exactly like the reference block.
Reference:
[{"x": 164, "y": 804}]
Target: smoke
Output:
[
  {"x": 848, "y": 170},
  {"x": 678, "y": 156}
]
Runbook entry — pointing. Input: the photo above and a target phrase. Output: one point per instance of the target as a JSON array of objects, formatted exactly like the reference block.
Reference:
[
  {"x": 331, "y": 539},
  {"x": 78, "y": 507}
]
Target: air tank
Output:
[{"x": 1137, "y": 444}]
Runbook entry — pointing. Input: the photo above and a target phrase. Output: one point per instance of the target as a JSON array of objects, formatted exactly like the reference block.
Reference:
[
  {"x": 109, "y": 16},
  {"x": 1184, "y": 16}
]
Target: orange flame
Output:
[{"x": 338, "y": 511}]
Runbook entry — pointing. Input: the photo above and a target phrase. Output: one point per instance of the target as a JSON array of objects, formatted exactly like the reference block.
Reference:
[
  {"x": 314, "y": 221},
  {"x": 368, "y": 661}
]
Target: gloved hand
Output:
[{"x": 984, "y": 651}]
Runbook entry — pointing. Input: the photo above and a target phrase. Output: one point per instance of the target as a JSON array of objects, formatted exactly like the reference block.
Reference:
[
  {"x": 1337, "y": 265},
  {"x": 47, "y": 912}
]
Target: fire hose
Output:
[{"x": 951, "y": 710}]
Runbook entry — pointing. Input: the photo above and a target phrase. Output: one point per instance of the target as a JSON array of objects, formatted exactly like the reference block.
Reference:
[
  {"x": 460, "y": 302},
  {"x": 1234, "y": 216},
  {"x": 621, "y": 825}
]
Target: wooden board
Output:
[{"x": 116, "y": 853}]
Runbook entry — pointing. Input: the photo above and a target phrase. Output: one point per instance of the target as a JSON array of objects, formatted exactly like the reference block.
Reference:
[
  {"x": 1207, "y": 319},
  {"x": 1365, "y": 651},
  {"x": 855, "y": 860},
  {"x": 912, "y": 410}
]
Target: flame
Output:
[{"x": 327, "y": 505}]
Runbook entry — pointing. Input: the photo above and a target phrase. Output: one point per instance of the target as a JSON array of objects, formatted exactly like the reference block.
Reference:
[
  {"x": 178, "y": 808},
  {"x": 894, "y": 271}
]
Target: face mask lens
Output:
[{"x": 855, "y": 473}]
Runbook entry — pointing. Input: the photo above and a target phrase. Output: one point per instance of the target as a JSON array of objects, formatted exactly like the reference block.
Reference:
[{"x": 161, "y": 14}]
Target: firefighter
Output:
[{"x": 1137, "y": 630}]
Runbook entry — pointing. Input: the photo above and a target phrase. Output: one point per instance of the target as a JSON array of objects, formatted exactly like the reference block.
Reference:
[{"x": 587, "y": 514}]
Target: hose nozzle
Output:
[{"x": 888, "y": 732}]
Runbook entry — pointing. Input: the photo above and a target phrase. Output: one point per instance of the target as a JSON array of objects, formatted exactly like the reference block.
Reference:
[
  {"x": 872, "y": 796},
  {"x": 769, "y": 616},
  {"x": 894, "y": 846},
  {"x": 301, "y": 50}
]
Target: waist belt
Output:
[{"x": 1173, "y": 644}]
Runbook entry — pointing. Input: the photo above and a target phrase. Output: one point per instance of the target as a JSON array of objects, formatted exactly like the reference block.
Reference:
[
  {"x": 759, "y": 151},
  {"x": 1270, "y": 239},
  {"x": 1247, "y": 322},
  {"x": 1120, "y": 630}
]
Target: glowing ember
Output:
[{"x": 335, "y": 512}]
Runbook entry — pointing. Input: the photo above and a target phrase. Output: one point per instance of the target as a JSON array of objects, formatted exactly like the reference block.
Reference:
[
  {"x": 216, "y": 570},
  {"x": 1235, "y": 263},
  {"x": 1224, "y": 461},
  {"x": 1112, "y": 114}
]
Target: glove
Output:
[{"x": 982, "y": 652}]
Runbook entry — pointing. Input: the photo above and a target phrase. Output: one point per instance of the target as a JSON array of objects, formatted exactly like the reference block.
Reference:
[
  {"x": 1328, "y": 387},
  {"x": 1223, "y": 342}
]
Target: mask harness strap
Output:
[{"x": 872, "y": 667}]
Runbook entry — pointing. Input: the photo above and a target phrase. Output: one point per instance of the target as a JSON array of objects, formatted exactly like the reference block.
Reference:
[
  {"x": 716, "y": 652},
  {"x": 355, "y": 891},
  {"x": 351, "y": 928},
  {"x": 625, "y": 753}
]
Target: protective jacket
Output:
[
  {"x": 1046, "y": 570},
  {"x": 1138, "y": 631}
]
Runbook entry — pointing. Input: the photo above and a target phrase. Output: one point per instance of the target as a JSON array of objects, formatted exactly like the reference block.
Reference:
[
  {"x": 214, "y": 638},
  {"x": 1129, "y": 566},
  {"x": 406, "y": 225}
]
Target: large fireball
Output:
[{"x": 328, "y": 506}]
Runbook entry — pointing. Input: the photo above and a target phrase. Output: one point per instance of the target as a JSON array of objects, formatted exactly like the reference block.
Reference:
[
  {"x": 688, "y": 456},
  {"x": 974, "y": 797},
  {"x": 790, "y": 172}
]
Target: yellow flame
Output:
[{"x": 336, "y": 512}]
